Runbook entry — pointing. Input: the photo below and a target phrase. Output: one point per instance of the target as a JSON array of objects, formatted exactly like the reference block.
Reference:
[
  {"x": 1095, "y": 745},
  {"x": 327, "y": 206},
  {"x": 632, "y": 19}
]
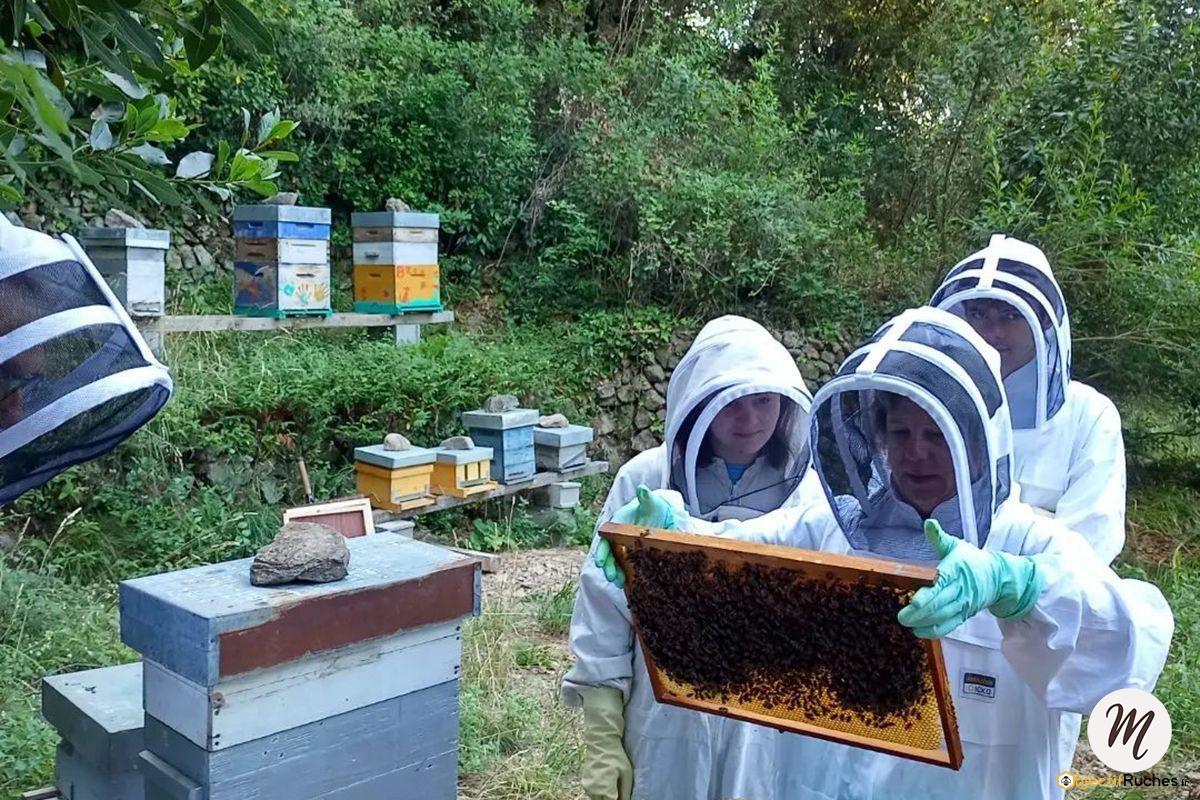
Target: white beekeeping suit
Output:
[
  {"x": 679, "y": 754},
  {"x": 1068, "y": 453},
  {"x": 1087, "y": 632},
  {"x": 76, "y": 378}
]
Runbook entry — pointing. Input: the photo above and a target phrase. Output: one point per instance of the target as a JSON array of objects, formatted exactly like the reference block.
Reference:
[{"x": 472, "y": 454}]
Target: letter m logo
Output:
[{"x": 1128, "y": 725}]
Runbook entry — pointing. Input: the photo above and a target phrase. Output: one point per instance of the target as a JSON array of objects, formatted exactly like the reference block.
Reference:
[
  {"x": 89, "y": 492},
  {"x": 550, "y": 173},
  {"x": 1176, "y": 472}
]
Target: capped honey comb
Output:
[{"x": 803, "y": 641}]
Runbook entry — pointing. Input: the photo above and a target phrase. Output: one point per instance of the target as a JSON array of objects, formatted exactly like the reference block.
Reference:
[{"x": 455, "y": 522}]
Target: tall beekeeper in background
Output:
[{"x": 1068, "y": 452}]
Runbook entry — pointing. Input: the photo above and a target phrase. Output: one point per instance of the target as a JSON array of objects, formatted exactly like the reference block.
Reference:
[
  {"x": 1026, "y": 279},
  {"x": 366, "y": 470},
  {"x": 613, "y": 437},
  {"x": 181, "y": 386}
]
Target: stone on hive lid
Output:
[
  {"x": 499, "y": 403},
  {"x": 553, "y": 421},
  {"x": 395, "y": 204},
  {"x": 283, "y": 199},
  {"x": 395, "y": 442},
  {"x": 116, "y": 218},
  {"x": 458, "y": 443},
  {"x": 301, "y": 551}
]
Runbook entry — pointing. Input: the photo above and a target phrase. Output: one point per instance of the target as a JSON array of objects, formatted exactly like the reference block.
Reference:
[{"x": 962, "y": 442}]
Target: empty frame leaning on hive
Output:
[{"x": 926, "y": 730}]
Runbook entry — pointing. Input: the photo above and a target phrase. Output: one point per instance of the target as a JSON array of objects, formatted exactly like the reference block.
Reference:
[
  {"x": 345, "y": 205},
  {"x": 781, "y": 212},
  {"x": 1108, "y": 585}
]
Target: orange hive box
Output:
[{"x": 396, "y": 480}]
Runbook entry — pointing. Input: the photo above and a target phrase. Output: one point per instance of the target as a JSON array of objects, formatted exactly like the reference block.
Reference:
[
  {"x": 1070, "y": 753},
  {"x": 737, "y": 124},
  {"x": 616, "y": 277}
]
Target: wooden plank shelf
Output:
[
  {"x": 196, "y": 323},
  {"x": 539, "y": 480}
]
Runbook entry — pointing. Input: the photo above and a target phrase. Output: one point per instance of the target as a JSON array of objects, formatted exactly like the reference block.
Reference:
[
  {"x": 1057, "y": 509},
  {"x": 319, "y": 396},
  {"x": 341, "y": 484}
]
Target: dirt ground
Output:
[{"x": 526, "y": 572}]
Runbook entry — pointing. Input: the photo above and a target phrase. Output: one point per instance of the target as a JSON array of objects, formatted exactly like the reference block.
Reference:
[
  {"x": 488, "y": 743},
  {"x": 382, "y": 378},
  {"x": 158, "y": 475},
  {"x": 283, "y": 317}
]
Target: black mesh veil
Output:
[{"x": 76, "y": 378}]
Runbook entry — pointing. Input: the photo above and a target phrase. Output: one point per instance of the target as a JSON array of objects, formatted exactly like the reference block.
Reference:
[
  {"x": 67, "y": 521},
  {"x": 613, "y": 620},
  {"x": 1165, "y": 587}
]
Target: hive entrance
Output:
[{"x": 802, "y": 641}]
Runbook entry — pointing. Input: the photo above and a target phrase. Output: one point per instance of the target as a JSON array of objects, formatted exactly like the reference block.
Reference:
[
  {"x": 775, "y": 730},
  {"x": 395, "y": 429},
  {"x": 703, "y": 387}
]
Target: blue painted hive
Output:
[{"x": 510, "y": 435}]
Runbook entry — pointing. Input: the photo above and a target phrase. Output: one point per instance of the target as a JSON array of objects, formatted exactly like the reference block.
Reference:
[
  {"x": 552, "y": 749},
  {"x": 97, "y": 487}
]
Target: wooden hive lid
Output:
[{"x": 209, "y": 623}]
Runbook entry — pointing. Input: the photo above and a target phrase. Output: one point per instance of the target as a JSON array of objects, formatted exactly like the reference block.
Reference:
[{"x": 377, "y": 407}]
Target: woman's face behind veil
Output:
[
  {"x": 743, "y": 428},
  {"x": 917, "y": 455}
]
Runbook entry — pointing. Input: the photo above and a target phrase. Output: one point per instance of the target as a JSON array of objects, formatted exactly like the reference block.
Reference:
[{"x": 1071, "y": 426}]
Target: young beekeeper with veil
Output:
[
  {"x": 912, "y": 444},
  {"x": 76, "y": 378},
  {"x": 1068, "y": 453},
  {"x": 736, "y": 426}
]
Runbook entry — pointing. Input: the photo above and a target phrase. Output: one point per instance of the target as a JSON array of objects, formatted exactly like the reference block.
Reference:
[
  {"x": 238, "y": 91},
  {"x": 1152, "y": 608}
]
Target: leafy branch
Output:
[{"x": 60, "y": 55}]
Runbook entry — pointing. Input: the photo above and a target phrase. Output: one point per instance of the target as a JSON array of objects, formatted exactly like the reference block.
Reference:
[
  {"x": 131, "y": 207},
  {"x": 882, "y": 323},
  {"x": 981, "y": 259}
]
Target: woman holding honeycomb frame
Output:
[{"x": 736, "y": 426}]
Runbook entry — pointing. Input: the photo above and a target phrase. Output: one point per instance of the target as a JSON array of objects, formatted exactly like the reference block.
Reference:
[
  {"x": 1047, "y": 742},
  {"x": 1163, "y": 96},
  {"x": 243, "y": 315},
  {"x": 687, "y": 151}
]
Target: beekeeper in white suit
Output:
[
  {"x": 911, "y": 441},
  {"x": 76, "y": 377},
  {"x": 1068, "y": 453},
  {"x": 736, "y": 423}
]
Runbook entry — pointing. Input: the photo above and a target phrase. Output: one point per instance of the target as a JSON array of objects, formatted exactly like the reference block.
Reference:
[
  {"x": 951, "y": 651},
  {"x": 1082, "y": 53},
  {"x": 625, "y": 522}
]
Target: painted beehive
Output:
[
  {"x": 462, "y": 473},
  {"x": 337, "y": 690},
  {"x": 283, "y": 251},
  {"x": 397, "y": 480},
  {"x": 396, "y": 262},
  {"x": 561, "y": 448},
  {"x": 510, "y": 435},
  {"x": 281, "y": 262},
  {"x": 280, "y": 290},
  {"x": 133, "y": 262},
  {"x": 98, "y": 714}
]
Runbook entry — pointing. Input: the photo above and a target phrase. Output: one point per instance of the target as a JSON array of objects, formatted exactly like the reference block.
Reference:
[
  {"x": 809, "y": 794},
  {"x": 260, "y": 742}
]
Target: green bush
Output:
[{"x": 205, "y": 481}]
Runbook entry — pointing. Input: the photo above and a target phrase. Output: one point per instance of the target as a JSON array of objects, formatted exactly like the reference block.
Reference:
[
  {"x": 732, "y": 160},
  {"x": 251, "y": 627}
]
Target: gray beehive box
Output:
[
  {"x": 98, "y": 714},
  {"x": 133, "y": 261},
  {"x": 561, "y": 448}
]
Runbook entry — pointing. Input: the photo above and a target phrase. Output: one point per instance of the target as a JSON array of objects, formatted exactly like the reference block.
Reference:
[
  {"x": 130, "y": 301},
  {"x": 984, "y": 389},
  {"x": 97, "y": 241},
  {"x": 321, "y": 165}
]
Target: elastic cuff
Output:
[{"x": 1029, "y": 580}]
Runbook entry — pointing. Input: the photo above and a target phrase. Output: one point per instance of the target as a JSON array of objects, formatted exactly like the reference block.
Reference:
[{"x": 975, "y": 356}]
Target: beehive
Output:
[
  {"x": 510, "y": 436},
  {"x": 281, "y": 261},
  {"x": 803, "y": 641},
  {"x": 396, "y": 480},
  {"x": 462, "y": 473},
  {"x": 98, "y": 714},
  {"x": 560, "y": 449},
  {"x": 133, "y": 262},
  {"x": 341, "y": 690},
  {"x": 396, "y": 262}
]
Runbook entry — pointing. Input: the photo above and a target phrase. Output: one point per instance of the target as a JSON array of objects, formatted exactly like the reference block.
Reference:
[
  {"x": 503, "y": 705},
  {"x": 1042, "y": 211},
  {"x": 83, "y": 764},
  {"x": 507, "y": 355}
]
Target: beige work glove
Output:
[{"x": 607, "y": 773}]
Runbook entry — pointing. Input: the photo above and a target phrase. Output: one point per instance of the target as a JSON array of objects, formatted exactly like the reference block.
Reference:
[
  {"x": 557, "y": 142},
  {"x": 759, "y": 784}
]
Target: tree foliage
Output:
[{"x": 77, "y": 95}]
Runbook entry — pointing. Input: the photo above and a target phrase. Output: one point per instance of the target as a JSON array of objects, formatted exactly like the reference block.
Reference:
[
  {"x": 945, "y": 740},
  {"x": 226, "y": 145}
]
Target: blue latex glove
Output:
[
  {"x": 650, "y": 510},
  {"x": 970, "y": 580}
]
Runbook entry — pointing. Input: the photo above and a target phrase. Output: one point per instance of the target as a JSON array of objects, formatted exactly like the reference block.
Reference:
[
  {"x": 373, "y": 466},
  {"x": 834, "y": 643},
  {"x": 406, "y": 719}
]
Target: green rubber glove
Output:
[
  {"x": 970, "y": 580},
  {"x": 649, "y": 509},
  {"x": 607, "y": 773}
]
